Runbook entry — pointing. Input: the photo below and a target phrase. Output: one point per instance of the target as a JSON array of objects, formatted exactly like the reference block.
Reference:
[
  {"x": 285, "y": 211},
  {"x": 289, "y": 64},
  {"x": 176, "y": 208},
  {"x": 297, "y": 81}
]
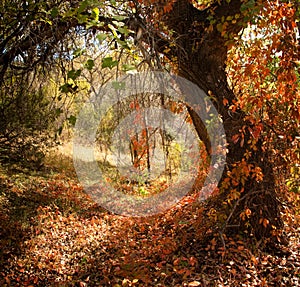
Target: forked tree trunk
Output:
[{"x": 202, "y": 54}]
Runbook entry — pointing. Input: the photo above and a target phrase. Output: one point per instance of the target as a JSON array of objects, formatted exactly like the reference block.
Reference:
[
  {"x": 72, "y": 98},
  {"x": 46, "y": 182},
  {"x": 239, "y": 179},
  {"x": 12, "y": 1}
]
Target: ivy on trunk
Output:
[{"x": 202, "y": 39}]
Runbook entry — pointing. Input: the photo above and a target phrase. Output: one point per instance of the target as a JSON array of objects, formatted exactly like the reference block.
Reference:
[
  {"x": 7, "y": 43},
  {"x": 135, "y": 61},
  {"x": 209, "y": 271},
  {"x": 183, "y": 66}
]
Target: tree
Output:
[
  {"x": 200, "y": 42},
  {"x": 31, "y": 73},
  {"x": 194, "y": 38}
]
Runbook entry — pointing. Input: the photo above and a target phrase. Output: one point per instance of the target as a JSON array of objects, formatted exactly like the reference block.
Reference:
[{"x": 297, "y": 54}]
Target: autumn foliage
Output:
[{"x": 244, "y": 54}]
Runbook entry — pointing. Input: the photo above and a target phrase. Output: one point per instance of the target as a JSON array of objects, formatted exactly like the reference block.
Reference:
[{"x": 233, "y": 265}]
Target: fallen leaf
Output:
[{"x": 194, "y": 283}]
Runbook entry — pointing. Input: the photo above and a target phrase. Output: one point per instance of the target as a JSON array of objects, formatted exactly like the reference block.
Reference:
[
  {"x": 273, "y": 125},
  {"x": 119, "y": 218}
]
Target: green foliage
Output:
[
  {"x": 248, "y": 5},
  {"x": 72, "y": 120},
  {"x": 27, "y": 121},
  {"x": 89, "y": 64},
  {"x": 109, "y": 63},
  {"x": 74, "y": 74}
]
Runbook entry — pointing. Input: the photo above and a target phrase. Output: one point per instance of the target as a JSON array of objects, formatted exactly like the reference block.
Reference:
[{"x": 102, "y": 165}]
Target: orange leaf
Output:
[
  {"x": 225, "y": 102},
  {"x": 235, "y": 138},
  {"x": 194, "y": 283},
  {"x": 265, "y": 222},
  {"x": 193, "y": 261},
  {"x": 176, "y": 261},
  {"x": 248, "y": 212}
]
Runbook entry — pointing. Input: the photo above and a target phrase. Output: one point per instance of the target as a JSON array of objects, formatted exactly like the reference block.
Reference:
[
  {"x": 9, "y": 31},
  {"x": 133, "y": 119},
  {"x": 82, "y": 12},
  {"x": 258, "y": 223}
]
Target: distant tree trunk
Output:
[{"x": 202, "y": 54}]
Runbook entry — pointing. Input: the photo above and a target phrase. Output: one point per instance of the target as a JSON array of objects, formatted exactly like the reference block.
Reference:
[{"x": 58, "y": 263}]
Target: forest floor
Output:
[{"x": 53, "y": 234}]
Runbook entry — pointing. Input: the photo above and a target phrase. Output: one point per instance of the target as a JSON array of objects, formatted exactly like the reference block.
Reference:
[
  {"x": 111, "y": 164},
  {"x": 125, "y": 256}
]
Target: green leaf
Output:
[
  {"x": 78, "y": 52},
  {"x": 89, "y": 64},
  {"x": 73, "y": 74},
  {"x": 82, "y": 19},
  {"x": 101, "y": 37},
  {"x": 128, "y": 67},
  {"x": 247, "y": 5},
  {"x": 54, "y": 12},
  {"x": 69, "y": 87},
  {"x": 58, "y": 111},
  {"x": 118, "y": 23},
  {"x": 72, "y": 120},
  {"x": 123, "y": 44},
  {"x": 108, "y": 62},
  {"x": 119, "y": 18},
  {"x": 82, "y": 7},
  {"x": 124, "y": 30},
  {"x": 64, "y": 89}
]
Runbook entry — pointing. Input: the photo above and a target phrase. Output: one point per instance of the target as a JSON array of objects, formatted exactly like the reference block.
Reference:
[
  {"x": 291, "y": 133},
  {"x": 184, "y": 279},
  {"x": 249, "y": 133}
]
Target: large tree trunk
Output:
[{"x": 202, "y": 54}]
